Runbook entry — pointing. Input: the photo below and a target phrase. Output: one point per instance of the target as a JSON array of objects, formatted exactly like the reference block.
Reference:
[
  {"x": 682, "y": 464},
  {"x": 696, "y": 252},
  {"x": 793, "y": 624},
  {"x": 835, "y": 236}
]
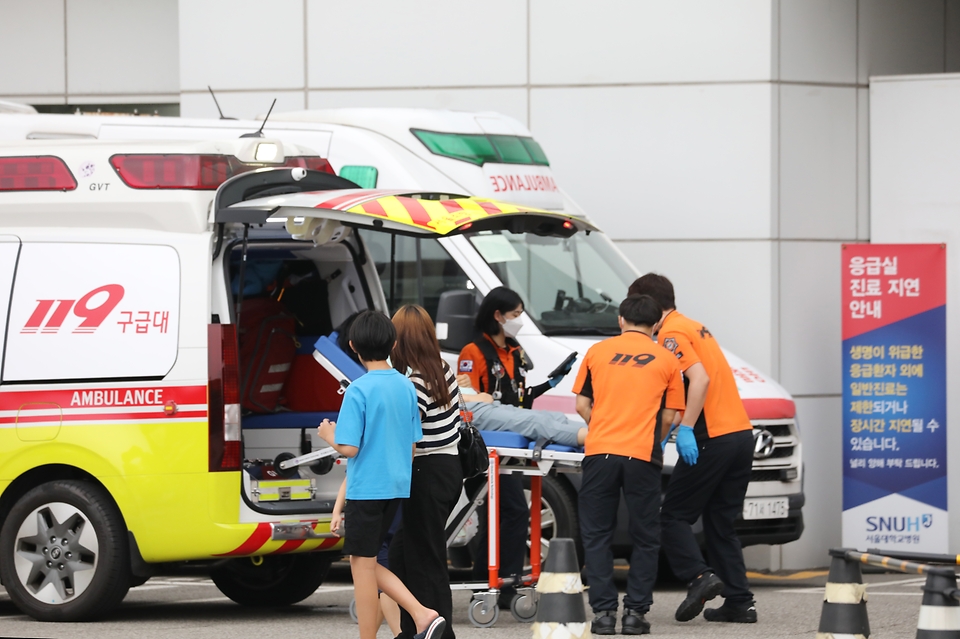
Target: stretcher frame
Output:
[{"x": 484, "y": 609}]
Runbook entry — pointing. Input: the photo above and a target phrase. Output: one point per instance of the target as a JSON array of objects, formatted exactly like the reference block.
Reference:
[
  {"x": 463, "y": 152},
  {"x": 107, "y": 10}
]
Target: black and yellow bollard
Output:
[
  {"x": 844, "y": 600},
  {"x": 939, "y": 610},
  {"x": 560, "y": 610}
]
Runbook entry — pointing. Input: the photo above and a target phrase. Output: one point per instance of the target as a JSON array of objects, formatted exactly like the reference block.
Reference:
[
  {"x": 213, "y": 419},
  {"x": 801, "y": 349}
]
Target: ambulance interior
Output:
[{"x": 294, "y": 292}]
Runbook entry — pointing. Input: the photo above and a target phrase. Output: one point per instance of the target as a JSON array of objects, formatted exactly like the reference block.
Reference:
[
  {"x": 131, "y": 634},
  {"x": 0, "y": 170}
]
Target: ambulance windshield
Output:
[{"x": 571, "y": 286}]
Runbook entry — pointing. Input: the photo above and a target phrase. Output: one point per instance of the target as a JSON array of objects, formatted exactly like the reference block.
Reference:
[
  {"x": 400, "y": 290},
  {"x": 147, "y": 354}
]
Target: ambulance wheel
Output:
[
  {"x": 64, "y": 552},
  {"x": 273, "y": 580},
  {"x": 558, "y": 514},
  {"x": 524, "y": 608},
  {"x": 483, "y": 615}
]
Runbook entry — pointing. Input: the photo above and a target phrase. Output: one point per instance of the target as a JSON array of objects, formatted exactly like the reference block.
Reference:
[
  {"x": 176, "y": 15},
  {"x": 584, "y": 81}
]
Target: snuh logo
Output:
[
  {"x": 42, "y": 320},
  {"x": 899, "y": 524}
]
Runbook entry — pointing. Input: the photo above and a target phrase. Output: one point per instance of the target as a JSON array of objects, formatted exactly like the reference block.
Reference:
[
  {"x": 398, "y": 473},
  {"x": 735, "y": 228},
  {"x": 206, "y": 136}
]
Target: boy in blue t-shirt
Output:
[{"x": 378, "y": 428}]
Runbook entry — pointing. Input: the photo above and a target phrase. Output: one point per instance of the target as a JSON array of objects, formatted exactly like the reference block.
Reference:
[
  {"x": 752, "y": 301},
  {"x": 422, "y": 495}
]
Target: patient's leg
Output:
[{"x": 532, "y": 424}]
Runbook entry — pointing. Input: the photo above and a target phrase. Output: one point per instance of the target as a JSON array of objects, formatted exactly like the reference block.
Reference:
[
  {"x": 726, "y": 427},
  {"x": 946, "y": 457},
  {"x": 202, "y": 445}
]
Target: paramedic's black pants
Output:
[
  {"x": 604, "y": 476},
  {"x": 714, "y": 487},
  {"x": 418, "y": 552},
  {"x": 514, "y": 525}
]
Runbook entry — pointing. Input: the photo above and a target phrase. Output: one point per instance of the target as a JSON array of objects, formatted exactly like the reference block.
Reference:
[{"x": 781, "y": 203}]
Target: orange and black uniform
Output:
[
  {"x": 713, "y": 488},
  {"x": 501, "y": 372},
  {"x": 629, "y": 378}
]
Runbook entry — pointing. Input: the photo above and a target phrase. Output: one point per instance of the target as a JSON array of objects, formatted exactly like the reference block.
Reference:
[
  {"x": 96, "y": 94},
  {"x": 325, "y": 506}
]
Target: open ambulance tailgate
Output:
[{"x": 405, "y": 212}]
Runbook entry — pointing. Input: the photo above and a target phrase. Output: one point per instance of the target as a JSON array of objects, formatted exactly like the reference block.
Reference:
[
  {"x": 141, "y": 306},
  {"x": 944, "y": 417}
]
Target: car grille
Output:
[
  {"x": 781, "y": 451},
  {"x": 765, "y": 475},
  {"x": 778, "y": 430},
  {"x": 766, "y": 526}
]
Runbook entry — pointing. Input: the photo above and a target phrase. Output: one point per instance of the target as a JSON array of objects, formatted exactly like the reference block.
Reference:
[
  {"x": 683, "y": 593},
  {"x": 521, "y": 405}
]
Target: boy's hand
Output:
[
  {"x": 327, "y": 431},
  {"x": 463, "y": 380},
  {"x": 335, "y": 522}
]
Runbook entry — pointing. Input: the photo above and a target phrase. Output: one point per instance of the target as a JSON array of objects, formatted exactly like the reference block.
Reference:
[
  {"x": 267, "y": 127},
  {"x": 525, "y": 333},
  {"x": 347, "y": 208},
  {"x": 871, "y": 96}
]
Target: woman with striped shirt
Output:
[{"x": 418, "y": 552}]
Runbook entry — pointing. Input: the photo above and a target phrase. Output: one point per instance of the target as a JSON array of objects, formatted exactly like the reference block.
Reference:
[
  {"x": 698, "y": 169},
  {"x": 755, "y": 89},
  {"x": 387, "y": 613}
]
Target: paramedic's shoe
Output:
[
  {"x": 699, "y": 591},
  {"x": 604, "y": 623},
  {"x": 434, "y": 630},
  {"x": 745, "y": 613},
  {"x": 634, "y": 623}
]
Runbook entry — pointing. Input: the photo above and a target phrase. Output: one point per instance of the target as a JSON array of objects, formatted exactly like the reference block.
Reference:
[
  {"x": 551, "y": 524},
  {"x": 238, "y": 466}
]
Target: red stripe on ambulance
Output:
[
  {"x": 417, "y": 213},
  {"x": 254, "y": 542}
]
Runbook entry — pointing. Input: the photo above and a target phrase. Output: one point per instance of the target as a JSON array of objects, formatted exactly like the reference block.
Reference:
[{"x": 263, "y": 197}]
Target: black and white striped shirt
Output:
[{"x": 440, "y": 424}]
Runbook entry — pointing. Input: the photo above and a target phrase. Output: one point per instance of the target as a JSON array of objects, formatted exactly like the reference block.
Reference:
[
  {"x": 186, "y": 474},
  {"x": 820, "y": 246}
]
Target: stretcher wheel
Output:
[
  {"x": 353, "y": 611},
  {"x": 323, "y": 466},
  {"x": 483, "y": 615},
  {"x": 523, "y": 608},
  {"x": 285, "y": 472}
]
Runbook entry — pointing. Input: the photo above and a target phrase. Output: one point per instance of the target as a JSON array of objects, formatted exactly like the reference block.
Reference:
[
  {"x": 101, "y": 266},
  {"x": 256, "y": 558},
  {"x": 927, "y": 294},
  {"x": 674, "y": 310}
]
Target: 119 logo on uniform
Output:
[{"x": 639, "y": 361}]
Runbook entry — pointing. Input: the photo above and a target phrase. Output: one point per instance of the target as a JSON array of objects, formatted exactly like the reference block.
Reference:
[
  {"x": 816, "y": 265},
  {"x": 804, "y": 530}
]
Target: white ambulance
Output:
[
  {"x": 161, "y": 303},
  {"x": 570, "y": 286}
]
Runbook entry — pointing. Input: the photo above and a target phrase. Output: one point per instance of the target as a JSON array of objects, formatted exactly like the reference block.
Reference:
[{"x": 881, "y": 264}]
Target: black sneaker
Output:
[
  {"x": 634, "y": 623},
  {"x": 699, "y": 591},
  {"x": 604, "y": 623},
  {"x": 747, "y": 613},
  {"x": 434, "y": 630}
]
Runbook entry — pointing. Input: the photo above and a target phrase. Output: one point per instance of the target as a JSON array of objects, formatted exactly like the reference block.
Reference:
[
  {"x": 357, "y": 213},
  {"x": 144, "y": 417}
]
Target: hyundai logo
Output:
[{"x": 763, "y": 444}]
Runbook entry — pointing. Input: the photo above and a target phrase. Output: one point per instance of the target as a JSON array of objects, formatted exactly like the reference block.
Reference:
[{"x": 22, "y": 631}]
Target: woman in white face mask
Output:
[
  {"x": 495, "y": 361},
  {"x": 497, "y": 368}
]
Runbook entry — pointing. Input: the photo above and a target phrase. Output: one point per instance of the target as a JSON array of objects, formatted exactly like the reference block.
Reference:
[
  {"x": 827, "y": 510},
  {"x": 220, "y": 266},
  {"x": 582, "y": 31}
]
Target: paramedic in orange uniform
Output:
[
  {"x": 621, "y": 386},
  {"x": 715, "y": 443},
  {"x": 496, "y": 364}
]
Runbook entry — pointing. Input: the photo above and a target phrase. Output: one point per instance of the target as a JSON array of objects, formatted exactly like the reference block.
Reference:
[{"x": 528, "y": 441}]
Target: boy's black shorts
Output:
[{"x": 366, "y": 524}]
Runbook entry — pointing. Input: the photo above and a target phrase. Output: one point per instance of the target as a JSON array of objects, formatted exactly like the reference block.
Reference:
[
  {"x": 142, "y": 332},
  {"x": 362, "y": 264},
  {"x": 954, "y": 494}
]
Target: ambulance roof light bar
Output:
[
  {"x": 201, "y": 172},
  {"x": 35, "y": 173}
]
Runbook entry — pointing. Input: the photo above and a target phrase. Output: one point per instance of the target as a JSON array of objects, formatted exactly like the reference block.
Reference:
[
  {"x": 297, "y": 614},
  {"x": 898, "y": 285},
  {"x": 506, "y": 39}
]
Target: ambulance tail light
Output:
[
  {"x": 223, "y": 393},
  {"x": 35, "y": 173},
  {"x": 195, "y": 172},
  {"x": 310, "y": 163}
]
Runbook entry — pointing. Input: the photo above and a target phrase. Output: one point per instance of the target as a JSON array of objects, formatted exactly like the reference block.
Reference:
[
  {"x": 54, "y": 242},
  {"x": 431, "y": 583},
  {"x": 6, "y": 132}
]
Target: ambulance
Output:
[
  {"x": 570, "y": 285},
  {"x": 137, "y": 426}
]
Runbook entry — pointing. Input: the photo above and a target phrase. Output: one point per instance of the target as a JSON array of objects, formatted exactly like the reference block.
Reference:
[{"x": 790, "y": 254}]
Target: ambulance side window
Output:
[
  {"x": 422, "y": 270},
  {"x": 93, "y": 311}
]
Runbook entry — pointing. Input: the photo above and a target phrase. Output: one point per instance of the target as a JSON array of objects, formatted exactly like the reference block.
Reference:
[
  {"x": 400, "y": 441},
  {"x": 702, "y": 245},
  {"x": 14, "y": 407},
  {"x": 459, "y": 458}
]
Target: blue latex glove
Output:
[
  {"x": 687, "y": 445},
  {"x": 553, "y": 381},
  {"x": 663, "y": 442}
]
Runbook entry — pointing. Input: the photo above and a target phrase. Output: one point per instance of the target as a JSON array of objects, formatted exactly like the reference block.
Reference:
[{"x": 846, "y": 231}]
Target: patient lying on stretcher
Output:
[
  {"x": 532, "y": 424},
  {"x": 493, "y": 416}
]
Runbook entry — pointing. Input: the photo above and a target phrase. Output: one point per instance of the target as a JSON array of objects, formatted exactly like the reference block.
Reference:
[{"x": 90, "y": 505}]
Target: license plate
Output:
[{"x": 774, "y": 508}]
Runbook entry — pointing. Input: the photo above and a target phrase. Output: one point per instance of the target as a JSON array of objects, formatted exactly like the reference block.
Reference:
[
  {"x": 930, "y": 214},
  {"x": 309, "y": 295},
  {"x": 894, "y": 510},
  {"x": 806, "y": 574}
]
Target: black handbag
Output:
[{"x": 473, "y": 452}]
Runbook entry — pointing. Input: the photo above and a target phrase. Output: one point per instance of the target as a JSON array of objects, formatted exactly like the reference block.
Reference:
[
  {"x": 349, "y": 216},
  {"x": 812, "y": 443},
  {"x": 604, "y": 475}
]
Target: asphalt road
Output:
[{"x": 189, "y": 606}]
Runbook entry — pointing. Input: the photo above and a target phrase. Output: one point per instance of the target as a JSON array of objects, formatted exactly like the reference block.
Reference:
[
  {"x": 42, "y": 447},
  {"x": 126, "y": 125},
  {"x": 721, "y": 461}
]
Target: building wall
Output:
[
  {"x": 89, "y": 51},
  {"x": 722, "y": 144},
  {"x": 915, "y": 197}
]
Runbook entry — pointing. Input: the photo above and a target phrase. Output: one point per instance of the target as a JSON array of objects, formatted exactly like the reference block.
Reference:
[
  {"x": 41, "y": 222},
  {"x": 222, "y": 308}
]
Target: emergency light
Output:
[{"x": 196, "y": 172}]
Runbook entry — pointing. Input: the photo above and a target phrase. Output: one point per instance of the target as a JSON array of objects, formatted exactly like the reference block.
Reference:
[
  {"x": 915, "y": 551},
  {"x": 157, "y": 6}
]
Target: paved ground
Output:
[{"x": 190, "y": 606}]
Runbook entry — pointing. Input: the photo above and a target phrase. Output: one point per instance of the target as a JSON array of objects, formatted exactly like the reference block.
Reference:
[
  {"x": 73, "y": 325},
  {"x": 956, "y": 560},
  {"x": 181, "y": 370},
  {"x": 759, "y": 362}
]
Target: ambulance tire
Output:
[
  {"x": 559, "y": 512},
  {"x": 273, "y": 580},
  {"x": 71, "y": 510}
]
